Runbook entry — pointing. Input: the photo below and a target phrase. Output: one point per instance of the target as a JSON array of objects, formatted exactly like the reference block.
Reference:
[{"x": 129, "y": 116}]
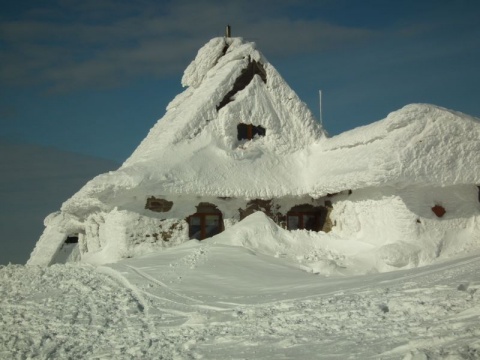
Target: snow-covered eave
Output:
[
  {"x": 329, "y": 191},
  {"x": 83, "y": 208}
]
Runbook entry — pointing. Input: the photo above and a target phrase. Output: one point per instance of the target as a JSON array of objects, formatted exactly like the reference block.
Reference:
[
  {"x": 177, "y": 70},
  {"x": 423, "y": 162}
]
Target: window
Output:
[
  {"x": 249, "y": 131},
  {"x": 71, "y": 239},
  {"x": 306, "y": 217},
  {"x": 205, "y": 223},
  {"x": 305, "y": 221}
]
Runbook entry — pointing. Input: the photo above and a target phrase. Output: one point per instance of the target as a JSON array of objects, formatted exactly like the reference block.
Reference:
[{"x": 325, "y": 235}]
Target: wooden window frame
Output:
[
  {"x": 203, "y": 224},
  {"x": 300, "y": 215}
]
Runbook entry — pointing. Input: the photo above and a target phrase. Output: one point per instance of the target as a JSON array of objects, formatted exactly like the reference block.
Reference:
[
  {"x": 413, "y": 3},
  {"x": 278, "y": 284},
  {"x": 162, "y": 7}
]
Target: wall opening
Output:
[
  {"x": 249, "y": 131},
  {"x": 158, "y": 205},
  {"x": 72, "y": 239},
  {"x": 205, "y": 223},
  {"x": 439, "y": 210}
]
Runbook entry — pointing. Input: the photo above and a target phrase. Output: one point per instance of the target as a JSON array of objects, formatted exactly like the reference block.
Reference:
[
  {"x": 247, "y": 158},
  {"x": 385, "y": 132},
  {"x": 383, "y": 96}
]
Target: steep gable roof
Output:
[{"x": 230, "y": 82}]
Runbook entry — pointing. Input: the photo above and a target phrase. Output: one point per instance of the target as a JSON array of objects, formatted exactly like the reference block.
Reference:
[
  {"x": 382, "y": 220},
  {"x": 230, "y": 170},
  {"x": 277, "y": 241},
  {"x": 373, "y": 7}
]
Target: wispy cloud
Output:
[
  {"x": 78, "y": 44},
  {"x": 73, "y": 44}
]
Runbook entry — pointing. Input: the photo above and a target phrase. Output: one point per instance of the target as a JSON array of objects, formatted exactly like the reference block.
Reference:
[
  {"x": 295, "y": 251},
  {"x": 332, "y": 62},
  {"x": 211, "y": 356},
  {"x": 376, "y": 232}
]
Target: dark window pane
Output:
[
  {"x": 248, "y": 131},
  {"x": 309, "y": 222},
  {"x": 259, "y": 130},
  {"x": 195, "y": 220},
  {"x": 212, "y": 225},
  {"x": 72, "y": 239},
  {"x": 195, "y": 228},
  {"x": 242, "y": 131},
  {"x": 293, "y": 222},
  {"x": 196, "y": 232}
]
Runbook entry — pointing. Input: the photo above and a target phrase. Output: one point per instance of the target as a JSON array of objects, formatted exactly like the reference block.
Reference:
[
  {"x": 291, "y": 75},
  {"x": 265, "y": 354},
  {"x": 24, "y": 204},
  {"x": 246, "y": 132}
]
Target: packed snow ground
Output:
[{"x": 215, "y": 301}]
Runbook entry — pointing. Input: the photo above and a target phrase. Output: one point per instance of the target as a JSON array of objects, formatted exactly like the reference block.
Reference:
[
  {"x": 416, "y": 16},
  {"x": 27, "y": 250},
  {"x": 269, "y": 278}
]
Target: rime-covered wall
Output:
[
  {"x": 401, "y": 225},
  {"x": 122, "y": 233}
]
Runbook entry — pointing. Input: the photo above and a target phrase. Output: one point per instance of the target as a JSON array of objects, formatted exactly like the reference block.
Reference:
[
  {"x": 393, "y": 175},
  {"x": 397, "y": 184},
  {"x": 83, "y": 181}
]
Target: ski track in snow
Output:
[{"x": 124, "y": 312}]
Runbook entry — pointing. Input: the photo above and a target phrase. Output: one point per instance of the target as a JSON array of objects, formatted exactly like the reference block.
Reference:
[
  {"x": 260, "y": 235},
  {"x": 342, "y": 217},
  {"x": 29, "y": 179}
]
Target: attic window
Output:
[
  {"x": 306, "y": 217},
  {"x": 205, "y": 223},
  {"x": 249, "y": 131},
  {"x": 158, "y": 205}
]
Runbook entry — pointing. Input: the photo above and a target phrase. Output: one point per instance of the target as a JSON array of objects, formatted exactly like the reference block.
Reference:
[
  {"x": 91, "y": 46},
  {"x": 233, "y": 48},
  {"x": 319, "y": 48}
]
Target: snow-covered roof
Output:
[
  {"x": 420, "y": 144},
  {"x": 194, "y": 148},
  {"x": 265, "y": 100}
]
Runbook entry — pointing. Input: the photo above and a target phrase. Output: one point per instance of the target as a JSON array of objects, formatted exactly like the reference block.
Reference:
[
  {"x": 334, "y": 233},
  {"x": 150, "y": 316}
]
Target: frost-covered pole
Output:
[
  {"x": 320, "y": 97},
  {"x": 228, "y": 31}
]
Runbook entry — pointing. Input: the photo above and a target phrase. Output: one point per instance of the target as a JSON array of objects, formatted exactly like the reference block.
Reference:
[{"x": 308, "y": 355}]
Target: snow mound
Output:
[
  {"x": 314, "y": 252},
  {"x": 341, "y": 253}
]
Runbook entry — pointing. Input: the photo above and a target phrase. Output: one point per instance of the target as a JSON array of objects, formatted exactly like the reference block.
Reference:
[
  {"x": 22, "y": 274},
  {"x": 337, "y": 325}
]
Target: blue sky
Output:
[{"x": 93, "y": 76}]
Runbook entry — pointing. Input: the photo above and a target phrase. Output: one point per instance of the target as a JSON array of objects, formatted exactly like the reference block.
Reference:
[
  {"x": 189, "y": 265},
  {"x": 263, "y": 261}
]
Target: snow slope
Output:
[{"x": 215, "y": 301}]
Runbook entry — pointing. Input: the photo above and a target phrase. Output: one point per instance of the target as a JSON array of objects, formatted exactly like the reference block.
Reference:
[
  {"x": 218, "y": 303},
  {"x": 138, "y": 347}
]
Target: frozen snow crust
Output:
[{"x": 398, "y": 168}]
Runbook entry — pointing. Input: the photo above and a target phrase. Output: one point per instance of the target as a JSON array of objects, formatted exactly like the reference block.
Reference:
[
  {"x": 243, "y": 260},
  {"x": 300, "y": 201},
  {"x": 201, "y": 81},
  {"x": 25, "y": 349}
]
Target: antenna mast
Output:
[
  {"x": 228, "y": 31},
  {"x": 320, "y": 98}
]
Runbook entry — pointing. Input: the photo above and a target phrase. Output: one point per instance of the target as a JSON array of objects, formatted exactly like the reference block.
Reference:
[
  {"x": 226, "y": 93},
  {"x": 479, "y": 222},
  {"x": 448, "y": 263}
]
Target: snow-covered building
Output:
[{"x": 239, "y": 140}]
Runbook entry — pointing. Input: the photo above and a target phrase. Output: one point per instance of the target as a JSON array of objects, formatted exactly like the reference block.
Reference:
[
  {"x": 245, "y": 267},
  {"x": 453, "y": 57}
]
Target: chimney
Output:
[{"x": 228, "y": 31}]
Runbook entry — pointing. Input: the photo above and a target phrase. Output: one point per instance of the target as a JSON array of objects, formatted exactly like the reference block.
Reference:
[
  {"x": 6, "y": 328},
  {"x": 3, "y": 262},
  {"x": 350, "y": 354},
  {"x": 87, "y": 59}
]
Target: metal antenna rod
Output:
[
  {"x": 228, "y": 31},
  {"x": 320, "y": 97}
]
